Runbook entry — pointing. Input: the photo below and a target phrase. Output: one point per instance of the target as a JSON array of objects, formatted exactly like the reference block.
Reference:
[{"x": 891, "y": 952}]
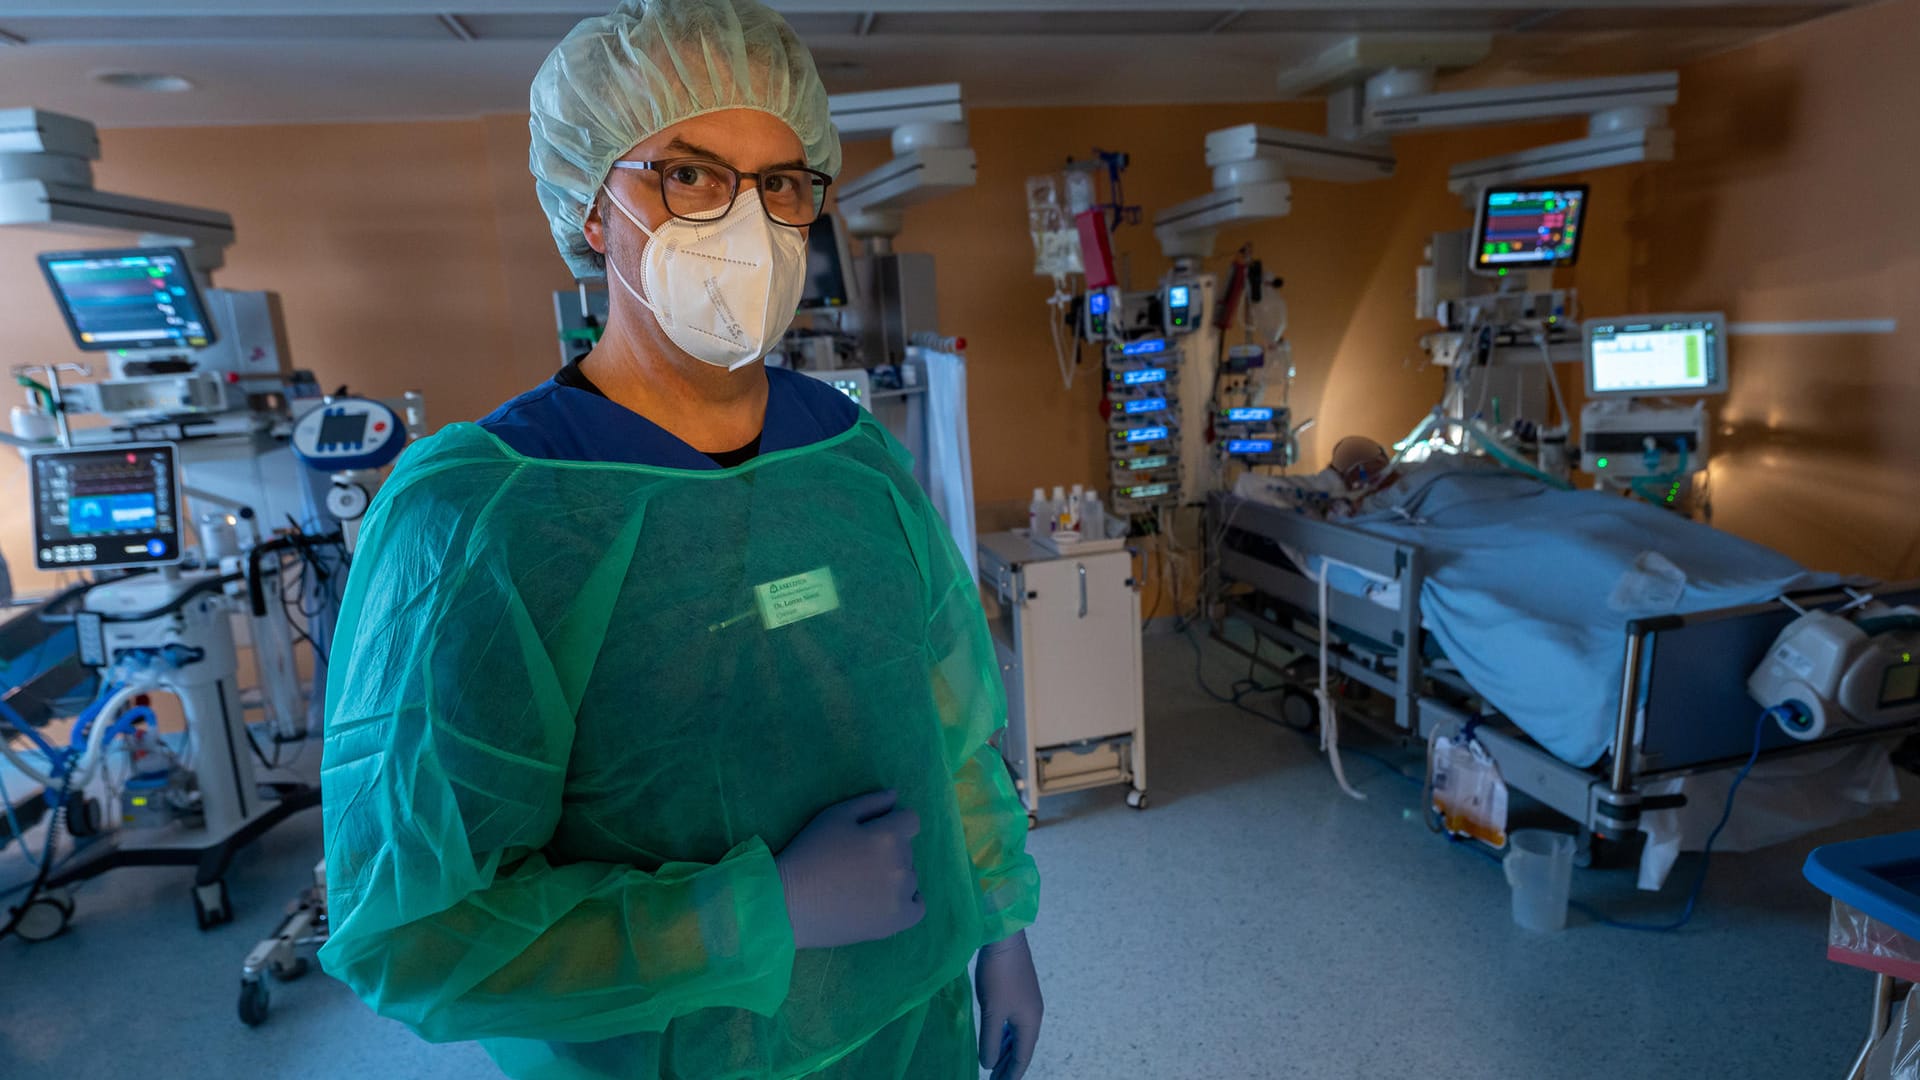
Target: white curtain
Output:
[{"x": 949, "y": 458}]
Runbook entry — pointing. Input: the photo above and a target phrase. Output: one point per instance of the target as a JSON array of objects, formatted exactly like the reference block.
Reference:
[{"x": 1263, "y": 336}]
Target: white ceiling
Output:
[{"x": 275, "y": 61}]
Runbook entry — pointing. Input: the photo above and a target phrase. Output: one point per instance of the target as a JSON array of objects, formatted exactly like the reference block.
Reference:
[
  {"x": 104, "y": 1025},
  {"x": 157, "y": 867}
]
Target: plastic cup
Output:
[{"x": 1539, "y": 869}]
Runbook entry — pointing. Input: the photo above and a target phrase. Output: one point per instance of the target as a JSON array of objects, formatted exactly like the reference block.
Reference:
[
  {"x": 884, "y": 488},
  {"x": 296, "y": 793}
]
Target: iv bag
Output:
[{"x": 1056, "y": 242}]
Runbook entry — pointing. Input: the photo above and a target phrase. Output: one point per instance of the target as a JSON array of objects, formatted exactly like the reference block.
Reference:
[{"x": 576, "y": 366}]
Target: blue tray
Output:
[{"x": 1879, "y": 876}]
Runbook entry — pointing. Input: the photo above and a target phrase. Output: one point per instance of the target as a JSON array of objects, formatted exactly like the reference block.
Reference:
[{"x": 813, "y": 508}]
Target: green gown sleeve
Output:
[
  {"x": 450, "y": 724},
  {"x": 973, "y": 707}
]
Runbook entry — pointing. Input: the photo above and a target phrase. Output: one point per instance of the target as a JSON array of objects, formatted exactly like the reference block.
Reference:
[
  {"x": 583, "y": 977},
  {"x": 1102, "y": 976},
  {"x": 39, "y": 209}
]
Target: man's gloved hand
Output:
[
  {"x": 849, "y": 874},
  {"x": 1010, "y": 1007}
]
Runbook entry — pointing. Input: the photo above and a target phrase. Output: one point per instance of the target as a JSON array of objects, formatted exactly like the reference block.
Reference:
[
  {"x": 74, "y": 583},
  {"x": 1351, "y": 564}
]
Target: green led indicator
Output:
[
  {"x": 1600, "y": 464},
  {"x": 1906, "y": 658}
]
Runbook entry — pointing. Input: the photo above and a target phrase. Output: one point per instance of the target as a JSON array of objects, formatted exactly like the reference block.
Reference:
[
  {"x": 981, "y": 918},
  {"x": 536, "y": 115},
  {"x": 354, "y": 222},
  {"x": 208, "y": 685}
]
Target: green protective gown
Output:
[{"x": 576, "y": 708}]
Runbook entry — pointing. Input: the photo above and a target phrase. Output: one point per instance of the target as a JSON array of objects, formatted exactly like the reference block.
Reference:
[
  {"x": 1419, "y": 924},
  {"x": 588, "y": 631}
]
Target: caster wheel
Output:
[
  {"x": 84, "y": 816},
  {"x": 1137, "y": 799},
  {"x": 1299, "y": 710},
  {"x": 1033, "y": 821},
  {"x": 255, "y": 1000},
  {"x": 291, "y": 970},
  {"x": 46, "y": 918},
  {"x": 211, "y": 907}
]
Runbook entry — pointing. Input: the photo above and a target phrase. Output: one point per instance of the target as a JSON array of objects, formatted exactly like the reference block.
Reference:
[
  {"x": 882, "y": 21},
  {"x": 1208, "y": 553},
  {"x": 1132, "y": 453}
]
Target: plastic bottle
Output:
[
  {"x": 1074, "y": 501},
  {"x": 1059, "y": 508},
  {"x": 1093, "y": 517},
  {"x": 1039, "y": 514}
]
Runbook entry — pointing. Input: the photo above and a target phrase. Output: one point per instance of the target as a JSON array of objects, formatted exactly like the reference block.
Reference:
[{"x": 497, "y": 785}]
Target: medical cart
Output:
[
  {"x": 1068, "y": 642},
  {"x": 1875, "y": 925}
]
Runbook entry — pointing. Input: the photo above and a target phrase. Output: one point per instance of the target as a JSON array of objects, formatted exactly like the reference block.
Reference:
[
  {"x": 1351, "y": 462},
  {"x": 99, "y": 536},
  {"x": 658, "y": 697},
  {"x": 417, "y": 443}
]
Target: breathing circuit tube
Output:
[
  {"x": 1679, "y": 471},
  {"x": 1486, "y": 442}
]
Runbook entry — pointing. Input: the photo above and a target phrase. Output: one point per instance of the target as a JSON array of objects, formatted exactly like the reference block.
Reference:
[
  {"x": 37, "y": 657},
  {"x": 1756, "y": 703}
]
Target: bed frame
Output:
[{"x": 1683, "y": 683}]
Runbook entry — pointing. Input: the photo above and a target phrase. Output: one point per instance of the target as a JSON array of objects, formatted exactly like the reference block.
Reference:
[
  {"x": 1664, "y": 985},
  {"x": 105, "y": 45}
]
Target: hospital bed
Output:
[{"x": 1683, "y": 708}]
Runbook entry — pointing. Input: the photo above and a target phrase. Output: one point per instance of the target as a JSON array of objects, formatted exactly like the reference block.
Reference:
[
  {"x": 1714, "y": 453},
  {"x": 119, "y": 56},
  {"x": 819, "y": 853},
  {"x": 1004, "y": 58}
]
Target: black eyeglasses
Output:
[{"x": 701, "y": 189}]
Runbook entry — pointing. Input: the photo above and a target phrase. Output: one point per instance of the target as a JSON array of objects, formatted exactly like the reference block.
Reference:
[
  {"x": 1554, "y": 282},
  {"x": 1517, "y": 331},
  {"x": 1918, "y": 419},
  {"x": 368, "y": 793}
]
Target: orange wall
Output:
[
  {"x": 1793, "y": 197},
  {"x": 415, "y": 256}
]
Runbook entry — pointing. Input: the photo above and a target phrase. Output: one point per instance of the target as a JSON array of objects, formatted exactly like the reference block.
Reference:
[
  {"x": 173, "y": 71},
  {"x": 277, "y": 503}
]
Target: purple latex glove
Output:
[
  {"x": 849, "y": 875},
  {"x": 1010, "y": 1007}
]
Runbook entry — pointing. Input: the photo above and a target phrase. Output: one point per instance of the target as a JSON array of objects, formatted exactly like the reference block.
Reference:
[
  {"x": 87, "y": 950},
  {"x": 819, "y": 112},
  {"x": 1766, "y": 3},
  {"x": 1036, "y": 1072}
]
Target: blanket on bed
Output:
[{"x": 1529, "y": 589}]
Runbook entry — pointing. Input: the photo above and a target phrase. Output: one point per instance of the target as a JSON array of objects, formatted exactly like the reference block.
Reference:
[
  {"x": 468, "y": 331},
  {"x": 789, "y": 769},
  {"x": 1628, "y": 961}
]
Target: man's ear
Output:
[{"x": 595, "y": 228}]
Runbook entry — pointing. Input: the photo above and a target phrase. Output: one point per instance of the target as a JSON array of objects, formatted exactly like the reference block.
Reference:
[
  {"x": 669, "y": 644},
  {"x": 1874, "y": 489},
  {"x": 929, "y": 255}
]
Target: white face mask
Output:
[{"x": 725, "y": 290}]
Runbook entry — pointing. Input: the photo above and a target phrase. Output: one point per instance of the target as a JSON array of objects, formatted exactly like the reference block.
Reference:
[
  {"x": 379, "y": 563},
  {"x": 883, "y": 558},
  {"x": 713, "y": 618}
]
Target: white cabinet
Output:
[{"x": 1068, "y": 640}]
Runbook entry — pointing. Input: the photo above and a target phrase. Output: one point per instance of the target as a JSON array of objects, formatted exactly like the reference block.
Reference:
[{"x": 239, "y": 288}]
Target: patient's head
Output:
[{"x": 1360, "y": 461}]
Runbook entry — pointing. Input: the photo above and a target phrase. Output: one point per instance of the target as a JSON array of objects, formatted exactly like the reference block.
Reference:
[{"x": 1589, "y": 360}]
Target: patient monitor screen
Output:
[
  {"x": 1528, "y": 228},
  {"x": 142, "y": 298},
  {"x": 108, "y": 507},
  {"x": 1656, "y": 354}
]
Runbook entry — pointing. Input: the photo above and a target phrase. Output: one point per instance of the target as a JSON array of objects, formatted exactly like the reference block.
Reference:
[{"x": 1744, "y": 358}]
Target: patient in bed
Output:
[
  {"x": 1359, "y": 470},
  {"x": 1528, "y": 591}
]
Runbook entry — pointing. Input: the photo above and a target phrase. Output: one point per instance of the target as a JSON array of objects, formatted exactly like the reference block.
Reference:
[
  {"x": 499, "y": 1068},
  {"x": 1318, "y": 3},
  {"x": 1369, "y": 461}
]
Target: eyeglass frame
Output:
[{"x": 658, "y": 166}]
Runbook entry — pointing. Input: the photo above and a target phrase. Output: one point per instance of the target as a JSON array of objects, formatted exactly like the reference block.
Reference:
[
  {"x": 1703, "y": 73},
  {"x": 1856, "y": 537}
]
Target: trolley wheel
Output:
[
  {"x": 255, "y": 1000},
  {"x": 45, "y": 919},
  {"x": 292, "y": 969},
  {"x": 1137, "y": 799},
  {"x": 211, "y": 907}
]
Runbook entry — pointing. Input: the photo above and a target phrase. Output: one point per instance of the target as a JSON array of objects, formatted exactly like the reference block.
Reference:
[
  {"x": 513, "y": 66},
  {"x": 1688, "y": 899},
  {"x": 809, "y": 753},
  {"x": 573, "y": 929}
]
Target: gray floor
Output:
[{"x": 1252, "y": 923}]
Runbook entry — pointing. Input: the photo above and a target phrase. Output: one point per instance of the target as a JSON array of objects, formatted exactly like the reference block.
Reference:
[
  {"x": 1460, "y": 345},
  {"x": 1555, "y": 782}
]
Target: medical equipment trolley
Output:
[{"x": 1068, "y": 641}]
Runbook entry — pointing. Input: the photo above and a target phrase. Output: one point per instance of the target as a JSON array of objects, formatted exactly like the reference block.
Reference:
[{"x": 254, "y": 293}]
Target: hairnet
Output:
[{"x": 617, "y": 79}]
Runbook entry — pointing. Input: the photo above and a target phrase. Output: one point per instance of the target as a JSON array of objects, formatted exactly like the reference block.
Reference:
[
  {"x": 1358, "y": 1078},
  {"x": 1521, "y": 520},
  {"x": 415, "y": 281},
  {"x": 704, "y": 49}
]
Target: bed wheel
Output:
[{"x": 1298, "y": 709}]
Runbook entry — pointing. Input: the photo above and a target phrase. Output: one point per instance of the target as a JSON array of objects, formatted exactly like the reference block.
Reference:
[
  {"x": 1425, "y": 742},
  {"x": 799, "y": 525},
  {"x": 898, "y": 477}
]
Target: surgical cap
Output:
[{"x": 617, "y": 79}]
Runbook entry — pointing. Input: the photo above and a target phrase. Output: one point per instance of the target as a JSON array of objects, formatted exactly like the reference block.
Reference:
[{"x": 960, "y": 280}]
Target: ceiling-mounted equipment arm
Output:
[
  {"x": 927, "y": 126},
  {"x": 46, "y": 182}
]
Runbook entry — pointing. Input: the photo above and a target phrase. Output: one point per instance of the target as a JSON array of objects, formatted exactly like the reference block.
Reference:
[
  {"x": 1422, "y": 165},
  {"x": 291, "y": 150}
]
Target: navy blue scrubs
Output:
[{"x": 567, "y": 418}]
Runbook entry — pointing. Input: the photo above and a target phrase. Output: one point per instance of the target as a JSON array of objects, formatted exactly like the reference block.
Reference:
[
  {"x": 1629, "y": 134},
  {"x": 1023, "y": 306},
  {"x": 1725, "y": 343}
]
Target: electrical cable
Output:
[
  {"x": 13, "y": 718},
  {"x": 1249, "y": 686},
  {"x": 255, "y": 746},
  {"x": 1706, "y": 855},
  {"x": 13, "y": 822},
  {"x": 55, "y": 820}
]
